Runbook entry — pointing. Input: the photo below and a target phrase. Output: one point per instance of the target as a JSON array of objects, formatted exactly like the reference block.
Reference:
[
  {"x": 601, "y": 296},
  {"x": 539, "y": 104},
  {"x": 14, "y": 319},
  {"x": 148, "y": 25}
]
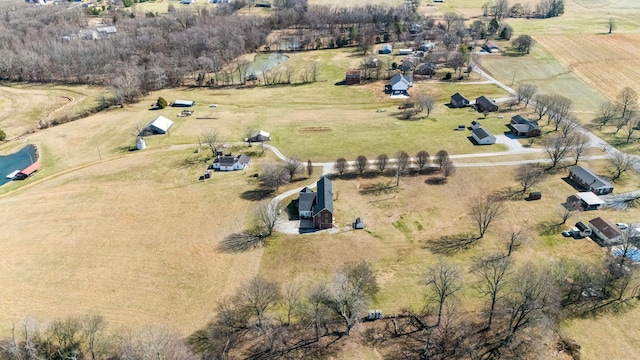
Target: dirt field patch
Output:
[{"x": 314, "y": 129}]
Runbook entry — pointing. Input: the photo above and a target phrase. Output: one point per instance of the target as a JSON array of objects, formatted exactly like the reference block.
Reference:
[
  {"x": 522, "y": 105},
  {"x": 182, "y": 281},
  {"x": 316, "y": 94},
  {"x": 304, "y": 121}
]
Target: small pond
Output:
[
  {"x": 16, "y": 161},
  {"x": 265, "y": 62}
]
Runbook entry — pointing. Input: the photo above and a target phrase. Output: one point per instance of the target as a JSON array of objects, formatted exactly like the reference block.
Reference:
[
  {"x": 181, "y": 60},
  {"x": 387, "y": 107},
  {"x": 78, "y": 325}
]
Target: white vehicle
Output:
[
  {"x": 622, "y": 226},
  {"x": 213, "y": 105}
]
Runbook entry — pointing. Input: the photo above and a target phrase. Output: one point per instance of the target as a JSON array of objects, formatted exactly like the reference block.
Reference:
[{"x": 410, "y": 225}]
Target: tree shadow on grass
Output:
[
  {"x": 438, "y": 180},
  {"x": 240, "y": 242},
  {"x": 548, "y": 227},
  {"x": 510, "y": 193},
  {"x": 256, "y": 194},
  {"x": 451, "y": 244}
]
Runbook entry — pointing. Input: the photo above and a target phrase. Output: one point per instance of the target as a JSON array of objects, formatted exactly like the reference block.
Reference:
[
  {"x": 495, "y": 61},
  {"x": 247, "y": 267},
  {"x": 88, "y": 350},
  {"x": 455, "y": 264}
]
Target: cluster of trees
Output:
[
  {"x": 45, "y": 44},
  {"x": 622, "y": 114},
  {"x": 499, "y": 9},
  {"x": 402, "y": 164}
]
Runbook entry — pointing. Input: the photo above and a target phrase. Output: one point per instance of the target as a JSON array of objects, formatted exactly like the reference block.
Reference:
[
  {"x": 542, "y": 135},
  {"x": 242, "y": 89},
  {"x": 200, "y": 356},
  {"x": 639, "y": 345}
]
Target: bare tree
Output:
[
  {"x": 422, "y": 159},
  {"x": 581, "y": 142},
  {"x": 441, "y": 157},
  {"x": 292, "y": 300},
  {"x": 443, "y": 280},
  {"x": 529, "y": 175},
  {"x": 293, "y": 165},
  {"x": 499, "y": 9},
  {"x": 568, "y": 125},
  {"x": 568, "y": 208},
  {"x": 361, "y": 164},
  {"x": 631, "y": 126},
  {"x": 425, "y": 102},
  {"x": 341, "y": 165},
  {"x": 627, "y": 100},
  {"x": 559, "y": 110},
  {"x": 258, "y": 296},
  {"x": 526, "y": 92},
  {"x": 402, "y": 162},
  {"x": 274, "y": 176},
  {"x": 517, "y": 237},
  {"x": 448, "y": 168},
  {"x": 353, "y": 285},
  {"x": 532, "y": 297},
  {"x": 316, "y": 312},
  {"x": 485, "y": 210},
  {"x": 213, "y": 139},
  {"x": 557, "y": 148},
  {"x": 622, "y": 121},
  {"x": 266, "y": 217},
  {"x": 381, "y": 161},
  {"x": 621, "y": 163},
  {"x": 542, "y": 102},
  {"x": 493, "y": 271},
  {"x": 608, "y": 111},
  {"x": 309, "y": 168},
  {"x": 93, "y": 326}
]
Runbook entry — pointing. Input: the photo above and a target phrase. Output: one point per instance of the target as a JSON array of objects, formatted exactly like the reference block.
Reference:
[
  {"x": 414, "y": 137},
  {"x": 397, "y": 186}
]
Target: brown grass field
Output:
[{"x": 133, "y": 235}]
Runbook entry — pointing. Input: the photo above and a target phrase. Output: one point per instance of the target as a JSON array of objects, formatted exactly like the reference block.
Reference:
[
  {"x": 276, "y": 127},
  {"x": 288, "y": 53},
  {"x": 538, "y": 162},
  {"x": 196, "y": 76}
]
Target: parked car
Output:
[
  {"x": 567, "y": 233},
  {"x": 622, "y": 226}
]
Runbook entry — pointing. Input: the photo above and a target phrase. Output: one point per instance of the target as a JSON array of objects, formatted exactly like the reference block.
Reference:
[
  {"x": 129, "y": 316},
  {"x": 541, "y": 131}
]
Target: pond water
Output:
[
  {"x": 16, "y": 161},
  {"x": 265, "y": 62}
]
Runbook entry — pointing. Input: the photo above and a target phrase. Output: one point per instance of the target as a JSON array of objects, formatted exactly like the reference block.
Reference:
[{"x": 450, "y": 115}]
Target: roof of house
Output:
[
  {"x": 484, "y": 101},
  {"x": 161, "y": 123},
  {"x": 306, "y": 199},
  {"x": 606, "y": 228},
  {"x": 387, "y": 46},
  {"x": 225, "y": 160},
  {"x": 30, "y": 169},
  {"x": 490, "y": 44},
  {"x": 459, "y": 97},
  {"x": 243, "y": 159},
  {"x": 590, "y": 178},
  {"x": 354, "y": 72},
  {"x": 107, "y": 29},
  {"x": 260, "y": 136},
  {"x": 325, "y": 196},
  {"x": 590, "y": 198},
  {"x": 399, "y": 79},
  {"x": 481, "y": 133}
]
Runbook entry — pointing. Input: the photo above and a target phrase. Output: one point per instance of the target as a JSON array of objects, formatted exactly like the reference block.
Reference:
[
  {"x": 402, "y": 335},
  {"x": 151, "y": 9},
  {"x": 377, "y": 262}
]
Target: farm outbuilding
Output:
[
  {"x": 183, "y": 103},
  {"x": 590, "y": 201},
  {"x": 159, "y": 125},
  {"x": 259, "y": 136},
  {"x": 426, "y": 69},
  {"x": 358, "y": 224},
  {"x": 386, "y": 49},
  {"x": 353, "y": 77},
  {"x": 231, "y": 163},
  {"x": 459, "y": 101},
  {"x": 491, "y": 47},
  {"x": 483, "y": 137},
  {"x": 28, "y": 171}
]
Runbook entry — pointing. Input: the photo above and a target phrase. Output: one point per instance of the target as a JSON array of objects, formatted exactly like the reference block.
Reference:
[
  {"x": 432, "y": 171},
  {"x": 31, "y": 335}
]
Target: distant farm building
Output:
[
  {"x": 425, "y": 69},
  {"x": 427, "y": 46},
  {"x": 484, "y": 104},
  {"x": 490, "y": 47},
  {"x": 407, "y": 65},
  {"x": 231, "y": 163},
  {"x": 523, "y": 127},
  {"x": 483, "y": 136},
  {"x": 459, "y": 101},
  {"x": 386, "y": 49},
  {"x": 106, "y": 31},
  {"x": 405, "y": 52},
  {"x": 26, "y": 172},
  {"x": 183, "y": 103},
  {"x": 316, "y": 208},
  {"x": 353, "y": 77},
  {"x": 259, "y": 136},
  {"x": 589, "y": 181},
  {"x": 399, "y": 85},
  {"x": 159, "y": 125}
]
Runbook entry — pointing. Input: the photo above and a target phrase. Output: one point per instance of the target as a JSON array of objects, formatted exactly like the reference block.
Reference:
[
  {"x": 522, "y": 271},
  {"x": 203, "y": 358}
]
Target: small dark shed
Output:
[
  {"x": 536, "y": 195},
  {"x": 358, "y": 224}
]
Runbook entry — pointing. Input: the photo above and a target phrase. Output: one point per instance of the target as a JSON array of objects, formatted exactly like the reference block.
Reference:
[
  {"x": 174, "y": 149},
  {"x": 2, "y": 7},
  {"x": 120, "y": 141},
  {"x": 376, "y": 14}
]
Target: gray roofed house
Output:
[
  {"x": 231, "y": 163},
  {"x": 399, "y": 85},
  {"x": 259, "y": 136},
  {"x": 483, "y": 137},
  {"x": 521, "y": 126},
  {"x": 316, "y": 208},
  {"x": 106, "y": 31},
  {"x": 484, "y": 104},
  {"x": 459, "y": 101},
  {"x": 305, "y": 203},
  {"x": 590, "y": 181}
]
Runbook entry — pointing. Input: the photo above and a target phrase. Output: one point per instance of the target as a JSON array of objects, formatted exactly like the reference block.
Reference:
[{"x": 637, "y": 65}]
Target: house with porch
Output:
[
  {"x": 316, "y": 208},
  {"x": 231, "y": 163},
  {"x": 522, "y": 127}
]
